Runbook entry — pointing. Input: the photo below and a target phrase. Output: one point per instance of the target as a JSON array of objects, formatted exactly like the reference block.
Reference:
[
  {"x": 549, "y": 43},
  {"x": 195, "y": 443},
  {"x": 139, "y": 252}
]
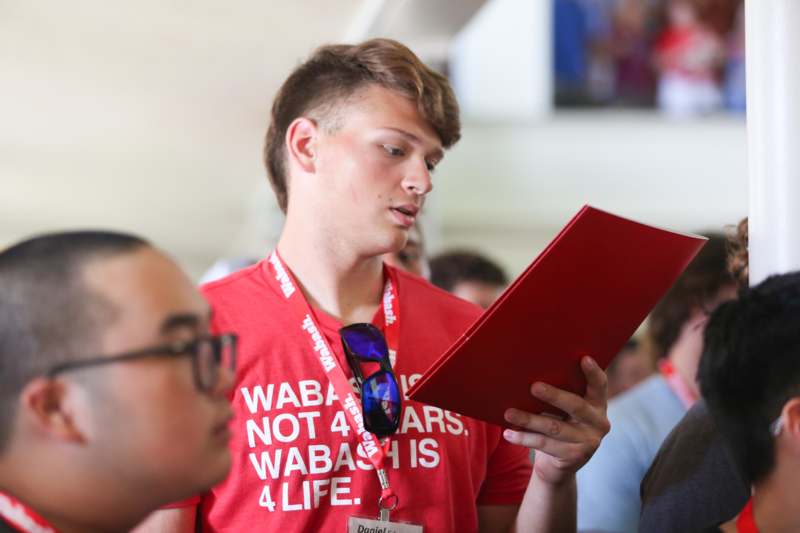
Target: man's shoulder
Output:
[
  {"x": 241, "y": 293},
  {"x": 240, "y": 282}
]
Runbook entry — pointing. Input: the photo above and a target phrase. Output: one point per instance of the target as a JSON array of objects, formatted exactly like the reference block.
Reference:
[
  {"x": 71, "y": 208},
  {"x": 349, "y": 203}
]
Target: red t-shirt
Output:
[{"x": 297, "y": 465}]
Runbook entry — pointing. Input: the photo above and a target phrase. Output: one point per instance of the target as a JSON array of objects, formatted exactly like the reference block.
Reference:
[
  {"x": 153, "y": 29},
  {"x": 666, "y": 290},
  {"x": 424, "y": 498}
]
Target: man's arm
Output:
[
  {"x": 562, "y": 447},
  {"x": 179, "y": 520}
]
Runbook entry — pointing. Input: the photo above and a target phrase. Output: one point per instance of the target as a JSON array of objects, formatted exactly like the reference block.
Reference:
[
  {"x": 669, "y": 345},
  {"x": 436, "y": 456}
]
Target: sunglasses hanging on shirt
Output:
[{"x": 368, "y": 357}]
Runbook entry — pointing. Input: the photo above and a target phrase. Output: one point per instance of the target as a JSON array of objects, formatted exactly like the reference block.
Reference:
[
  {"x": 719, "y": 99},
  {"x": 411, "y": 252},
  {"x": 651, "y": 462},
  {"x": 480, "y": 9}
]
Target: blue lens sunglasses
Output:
[{"x": 380, "y": 396}]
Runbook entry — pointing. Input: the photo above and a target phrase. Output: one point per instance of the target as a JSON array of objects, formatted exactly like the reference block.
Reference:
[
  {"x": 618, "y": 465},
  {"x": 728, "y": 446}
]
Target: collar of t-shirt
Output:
[{"x": 746, "y": 523}]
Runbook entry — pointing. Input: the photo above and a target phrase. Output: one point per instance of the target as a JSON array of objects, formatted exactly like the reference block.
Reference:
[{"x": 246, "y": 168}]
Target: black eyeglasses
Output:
[
  {"x": 209, "y": 354},
  {"x": 380, "y": 395}
]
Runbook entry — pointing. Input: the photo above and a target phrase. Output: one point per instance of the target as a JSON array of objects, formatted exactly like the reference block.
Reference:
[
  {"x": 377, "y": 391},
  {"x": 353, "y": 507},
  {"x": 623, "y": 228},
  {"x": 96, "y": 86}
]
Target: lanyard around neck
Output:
[
  {"x": 677, "y": 384},
  {"x": 22, "y": 517},
  {"x": 283, "y": 281}
]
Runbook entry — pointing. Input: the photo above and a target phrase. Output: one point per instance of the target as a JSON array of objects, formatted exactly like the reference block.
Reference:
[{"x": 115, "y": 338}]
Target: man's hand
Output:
[{"x": 563, "y": 446}]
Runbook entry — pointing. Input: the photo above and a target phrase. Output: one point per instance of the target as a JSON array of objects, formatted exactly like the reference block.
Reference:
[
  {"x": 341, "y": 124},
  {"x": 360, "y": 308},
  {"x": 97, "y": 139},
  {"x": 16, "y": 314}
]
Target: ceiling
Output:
[{"x": 149, "y": 116}]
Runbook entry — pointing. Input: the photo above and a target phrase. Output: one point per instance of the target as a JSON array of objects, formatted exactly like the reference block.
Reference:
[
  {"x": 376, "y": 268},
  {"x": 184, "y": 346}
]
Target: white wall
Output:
[{"x": 508, "y": 189}]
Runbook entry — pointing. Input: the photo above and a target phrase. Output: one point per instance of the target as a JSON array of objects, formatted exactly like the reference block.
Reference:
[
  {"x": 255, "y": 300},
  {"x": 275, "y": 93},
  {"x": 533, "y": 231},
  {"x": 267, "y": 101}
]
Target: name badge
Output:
[{"x": 365, "y": 525}]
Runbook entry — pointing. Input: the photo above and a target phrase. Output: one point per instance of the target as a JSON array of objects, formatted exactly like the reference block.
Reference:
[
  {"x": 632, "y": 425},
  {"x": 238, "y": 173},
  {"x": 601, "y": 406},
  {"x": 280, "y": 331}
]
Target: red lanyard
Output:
[
  {"x": 746, "y": 523},
  {"x": 283, "y": 280},
  {"x": 676, "y": 382},
  {"x": 21, "y": 516}
]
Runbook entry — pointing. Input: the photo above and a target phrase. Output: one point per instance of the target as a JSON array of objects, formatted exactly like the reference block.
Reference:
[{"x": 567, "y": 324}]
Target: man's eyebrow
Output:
[
  {"x": 437, "y": 152},
  {"x": 180, "y": 320}
]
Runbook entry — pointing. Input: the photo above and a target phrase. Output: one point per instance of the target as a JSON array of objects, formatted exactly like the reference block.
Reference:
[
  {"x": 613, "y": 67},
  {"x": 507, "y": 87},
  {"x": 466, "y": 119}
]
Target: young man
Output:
[
  {"x": 608, "y": 487},
  {"x": 693, "y": 470},
  {"x": 356, "y": 133},
  {"x": 470, "y": 276},
  {"x": 112, "y": 395},
  {"x": 750, "y": 379}
]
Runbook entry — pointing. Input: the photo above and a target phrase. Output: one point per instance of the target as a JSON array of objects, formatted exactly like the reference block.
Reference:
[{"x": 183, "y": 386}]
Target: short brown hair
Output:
[
  {"x": 696, "y": 288},
  {"x": 334, "y": 73}
]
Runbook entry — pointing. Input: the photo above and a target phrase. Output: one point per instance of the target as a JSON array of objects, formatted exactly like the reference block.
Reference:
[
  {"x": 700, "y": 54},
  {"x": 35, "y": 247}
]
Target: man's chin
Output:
[{"x": 219, "y": 472}]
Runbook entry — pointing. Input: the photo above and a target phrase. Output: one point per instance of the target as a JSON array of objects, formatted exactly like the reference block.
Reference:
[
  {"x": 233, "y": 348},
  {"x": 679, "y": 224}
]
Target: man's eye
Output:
[
  {"x": 431, "y": 165},
  {"x": 393, "y": 150}
]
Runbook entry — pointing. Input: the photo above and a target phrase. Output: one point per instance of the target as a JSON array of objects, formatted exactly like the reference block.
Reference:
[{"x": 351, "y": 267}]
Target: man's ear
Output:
[
  {"x": 301, "y": 142},
  {"x": 45, "y": 408}
]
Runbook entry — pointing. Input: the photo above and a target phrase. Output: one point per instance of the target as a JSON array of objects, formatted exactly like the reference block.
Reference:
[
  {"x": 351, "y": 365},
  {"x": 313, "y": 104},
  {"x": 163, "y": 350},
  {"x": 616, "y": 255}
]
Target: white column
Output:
[
  {"x": 773, "y": 135},
  {"x": 501, "y": 63}
]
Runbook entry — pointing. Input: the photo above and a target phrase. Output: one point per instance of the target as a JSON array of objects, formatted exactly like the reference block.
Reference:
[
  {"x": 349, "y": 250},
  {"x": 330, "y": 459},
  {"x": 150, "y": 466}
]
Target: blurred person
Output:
[
  {"x": 608, "y": 486},
  {"x": 688, "y": 55},
  {"x": 750, "y": 378},
  {"x": 694, "y": 470},
  {"x": 631, "y": 43},
  {"x": 734, "y": 85},
  {"x": 469, "y": 275},
  {"x": 570, "y": 53},
  {"x": 411, "y": 257},
  {"x": 600, "y": 76},
  {"x": 631, "y": 366},
  {"x": 356, "y": 132},
  {"x": 113, "y": 393}
]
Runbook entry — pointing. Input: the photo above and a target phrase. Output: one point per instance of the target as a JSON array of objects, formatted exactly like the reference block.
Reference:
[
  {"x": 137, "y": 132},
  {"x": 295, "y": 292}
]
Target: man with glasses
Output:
[
  {"x": 113, "y": 395},
  {"x": 355, "y": 135}
]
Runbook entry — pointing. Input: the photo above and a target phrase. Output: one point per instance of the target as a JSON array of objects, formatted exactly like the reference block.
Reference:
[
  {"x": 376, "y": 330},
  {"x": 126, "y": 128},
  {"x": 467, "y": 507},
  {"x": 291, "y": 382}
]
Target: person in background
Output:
[
  {"x": 734, "y": 85},
  {"x": 113, "y": 395},
  {"x": 469, "y": 275},
  {"x": 411, "y": 257},
  {"x": 631, "y": 43},
  {"x": 750, "y": 378},
  {"x": 688, "y": 55},
  {"x": 356, "y": 132},
  {"x": 694, "y": 470},
  {"x": 608, "y": 486},
  {"x": 631, "y": 366},
  {"x": 570, "y": 54}
]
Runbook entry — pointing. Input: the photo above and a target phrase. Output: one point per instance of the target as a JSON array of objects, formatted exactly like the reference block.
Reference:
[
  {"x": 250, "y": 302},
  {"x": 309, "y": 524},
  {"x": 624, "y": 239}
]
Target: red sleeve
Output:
[{"x": 507, "y": 475}]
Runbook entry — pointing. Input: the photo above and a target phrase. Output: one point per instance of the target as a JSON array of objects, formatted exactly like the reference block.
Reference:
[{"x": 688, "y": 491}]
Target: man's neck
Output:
[
  {"x": 775, "y": 502},
  {"x": 339, "y": 281}
]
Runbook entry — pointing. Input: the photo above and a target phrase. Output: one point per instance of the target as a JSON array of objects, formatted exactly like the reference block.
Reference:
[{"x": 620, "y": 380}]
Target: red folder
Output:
[{"x": 585, "y": 294}]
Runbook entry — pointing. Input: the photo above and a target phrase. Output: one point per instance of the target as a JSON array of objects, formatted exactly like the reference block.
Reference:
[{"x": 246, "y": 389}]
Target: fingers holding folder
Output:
[{"x": 564, "y": 445}]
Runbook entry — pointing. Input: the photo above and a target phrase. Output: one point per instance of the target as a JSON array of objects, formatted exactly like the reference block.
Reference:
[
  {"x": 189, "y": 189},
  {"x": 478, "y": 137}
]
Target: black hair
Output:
[
  {"x": 48, "y": 314},
  {"x": 696, "y": 288},
  {"x": 750, "y": 368},
  {"x": 449, "y": 269}
]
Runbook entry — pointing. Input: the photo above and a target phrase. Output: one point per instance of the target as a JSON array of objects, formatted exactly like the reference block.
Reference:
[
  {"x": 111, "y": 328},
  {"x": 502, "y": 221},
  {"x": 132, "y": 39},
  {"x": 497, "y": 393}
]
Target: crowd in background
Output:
[{"x": 685, "y": 57}]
